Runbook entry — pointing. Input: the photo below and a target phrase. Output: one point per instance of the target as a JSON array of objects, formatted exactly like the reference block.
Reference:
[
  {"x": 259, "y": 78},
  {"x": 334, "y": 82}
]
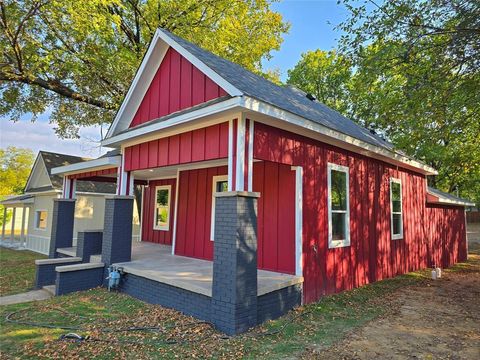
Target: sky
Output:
[{"x": 312, "y": 27}]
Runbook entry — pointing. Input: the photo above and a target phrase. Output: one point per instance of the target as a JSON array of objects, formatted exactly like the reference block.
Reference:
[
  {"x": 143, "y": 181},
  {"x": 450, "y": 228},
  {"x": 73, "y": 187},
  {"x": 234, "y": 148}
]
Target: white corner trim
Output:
[
  {"x": 250, "y": 155},
  {"x": 298, "y": 220},
  {"x": 396, "y": 236},
  {"x": 240, "y": 163},
  {"x": 230, "y": 155},
  {"x": 344, "y": 242},
  {"x": 89, "y": 165},
  {"x": 174, "y": 236}
]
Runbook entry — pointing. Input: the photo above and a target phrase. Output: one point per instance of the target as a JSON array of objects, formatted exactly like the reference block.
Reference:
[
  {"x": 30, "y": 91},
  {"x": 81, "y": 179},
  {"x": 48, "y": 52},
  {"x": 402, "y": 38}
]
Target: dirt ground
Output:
[{"x": 440, "y": 320}]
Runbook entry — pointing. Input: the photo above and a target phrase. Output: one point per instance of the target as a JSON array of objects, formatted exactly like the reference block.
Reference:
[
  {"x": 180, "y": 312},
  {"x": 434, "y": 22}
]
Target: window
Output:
[
  {"x": 220, "y": 184},
  {"x": 40, "y": 219},
  {"x": 396, "y": 208},
  {"x": 338, "y": 206},
  {"x": 162, "y": 208}
]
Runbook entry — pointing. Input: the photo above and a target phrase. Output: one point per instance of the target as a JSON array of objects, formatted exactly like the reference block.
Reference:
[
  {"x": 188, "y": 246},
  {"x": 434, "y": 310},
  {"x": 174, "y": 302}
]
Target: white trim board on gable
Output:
[{"x": 146, "y": 72}]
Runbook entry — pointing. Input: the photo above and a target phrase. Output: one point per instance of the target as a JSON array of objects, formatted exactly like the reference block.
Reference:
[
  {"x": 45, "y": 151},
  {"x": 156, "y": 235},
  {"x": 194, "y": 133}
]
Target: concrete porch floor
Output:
[{"x": 156, "y": 262}]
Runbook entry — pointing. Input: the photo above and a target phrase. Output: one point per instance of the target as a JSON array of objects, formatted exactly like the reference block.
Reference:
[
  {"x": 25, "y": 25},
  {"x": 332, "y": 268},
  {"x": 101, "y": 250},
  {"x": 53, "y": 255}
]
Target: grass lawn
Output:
[
  {"x": 17, "y": 270},
  {"x": 105, "y": 317}
]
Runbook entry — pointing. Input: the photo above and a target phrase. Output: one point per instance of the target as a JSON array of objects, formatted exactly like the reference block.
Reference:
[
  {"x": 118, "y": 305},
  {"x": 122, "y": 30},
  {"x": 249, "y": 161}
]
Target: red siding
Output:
[
  {"x": 196, "y": 145},
  {"x": 372, "y": 254},
  {"x": 194, "y": 212},
  {"x": 445, "y": 226},
  {"x": 276, "y": 214},
  {"x": 148, "y": 233},
  {"x": 95, "y": 173},
  {"x": 177, "y": 85}
]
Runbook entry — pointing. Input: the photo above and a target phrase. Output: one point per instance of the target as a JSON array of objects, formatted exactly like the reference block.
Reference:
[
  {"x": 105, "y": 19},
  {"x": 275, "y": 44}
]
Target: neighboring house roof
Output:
[
  {"x": 20, "y": 199},
  {"x": 50, "y": 160},
  {"x": 441, "y": 197}
]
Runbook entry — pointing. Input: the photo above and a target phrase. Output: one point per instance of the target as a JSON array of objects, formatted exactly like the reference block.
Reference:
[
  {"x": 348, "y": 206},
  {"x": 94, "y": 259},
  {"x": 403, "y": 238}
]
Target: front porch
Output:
[{"x": 156, "y": 262}]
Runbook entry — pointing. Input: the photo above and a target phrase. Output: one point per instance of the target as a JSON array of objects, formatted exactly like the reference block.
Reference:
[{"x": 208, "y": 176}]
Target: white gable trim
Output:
[
  {"x": 34, "y": 169},
  {"x": 146, "y": 72}
]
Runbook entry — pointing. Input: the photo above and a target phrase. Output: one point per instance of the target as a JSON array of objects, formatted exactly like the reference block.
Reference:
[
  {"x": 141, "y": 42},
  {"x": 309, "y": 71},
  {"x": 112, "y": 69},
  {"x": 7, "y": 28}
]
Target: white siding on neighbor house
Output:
[
  {"x": 39, "y": 177},
  {"x": 89, "y": 214},
  {"x": 37, "y": 243}
]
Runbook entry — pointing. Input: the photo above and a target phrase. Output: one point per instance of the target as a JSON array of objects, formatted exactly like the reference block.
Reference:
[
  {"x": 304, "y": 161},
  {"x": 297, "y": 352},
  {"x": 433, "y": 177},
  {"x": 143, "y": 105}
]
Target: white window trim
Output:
[
  {"x": 396, "y": 236},
  {"x": 215, "y": 180},
  {"x": 36, "y": 220},
  {"x": 345, "y": 242},
  {"x": 164, "y": 227}
]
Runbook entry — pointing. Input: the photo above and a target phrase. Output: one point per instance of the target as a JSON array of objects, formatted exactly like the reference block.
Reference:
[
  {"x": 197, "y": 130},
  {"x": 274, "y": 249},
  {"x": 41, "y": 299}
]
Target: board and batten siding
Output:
[
  {"x": 207, "y": 143},
  {"x": 372, "y": 254},
  {"x": 276, "y": 214},
  {"x": 177, "y": 85},
  {"x": 445, "y": 225}
]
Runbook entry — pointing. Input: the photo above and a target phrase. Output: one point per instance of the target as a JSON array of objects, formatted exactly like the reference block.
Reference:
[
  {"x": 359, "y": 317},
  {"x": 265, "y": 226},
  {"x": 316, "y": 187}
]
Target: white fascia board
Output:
[
  {"x": 90, "y": 165},
  {"x": 143, "y": 77},
  {"x": 176, "y": 120},
  {"x": 146, "y": 72},
  {"x": 447, "y": 201},
  {"x": 337, "y": 138}
]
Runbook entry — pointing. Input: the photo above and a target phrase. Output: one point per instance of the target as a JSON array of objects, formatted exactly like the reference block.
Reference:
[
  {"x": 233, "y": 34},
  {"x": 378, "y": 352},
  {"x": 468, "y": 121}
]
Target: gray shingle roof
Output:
[
  {"x": 449, "y": 197},
  {"x": 53, "y": 160},
  {"x": 285, "y": 98}
]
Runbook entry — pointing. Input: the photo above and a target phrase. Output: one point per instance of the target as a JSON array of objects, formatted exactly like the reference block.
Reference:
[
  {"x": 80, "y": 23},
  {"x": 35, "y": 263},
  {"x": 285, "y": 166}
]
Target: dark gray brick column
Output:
[
  {"x": 62, "y": 225},
  {"x": 234, "y": 292},
  {"x": 117, "y": 229},
  {"x": 89, "y": 243}
]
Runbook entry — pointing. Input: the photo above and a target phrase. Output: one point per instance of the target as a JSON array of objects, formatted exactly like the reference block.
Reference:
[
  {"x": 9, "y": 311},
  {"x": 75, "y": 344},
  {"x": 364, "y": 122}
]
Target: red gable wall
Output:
[{"x": 177, "y": 85}]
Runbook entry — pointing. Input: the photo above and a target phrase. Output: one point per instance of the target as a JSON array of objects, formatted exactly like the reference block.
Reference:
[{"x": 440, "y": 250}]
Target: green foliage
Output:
[
  {"x": 15, "y": 165},
  {"x": 413, "y": 75},
  {"x": 324, "y": 74},
  {"x": 79, "y": 57}
]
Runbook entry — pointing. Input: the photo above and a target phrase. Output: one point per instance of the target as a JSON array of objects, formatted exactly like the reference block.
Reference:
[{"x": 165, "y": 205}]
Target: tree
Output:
[
  {"x": 78, "y": 58},
  {"x": 15, "y": 166},
  {"x": 324, "y": 74},
  {"x": 415, "y": 79}
]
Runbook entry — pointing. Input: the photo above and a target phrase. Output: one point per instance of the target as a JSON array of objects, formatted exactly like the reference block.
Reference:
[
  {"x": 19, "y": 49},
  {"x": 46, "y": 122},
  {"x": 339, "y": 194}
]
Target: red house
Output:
[{"x": 254, "y": 197}]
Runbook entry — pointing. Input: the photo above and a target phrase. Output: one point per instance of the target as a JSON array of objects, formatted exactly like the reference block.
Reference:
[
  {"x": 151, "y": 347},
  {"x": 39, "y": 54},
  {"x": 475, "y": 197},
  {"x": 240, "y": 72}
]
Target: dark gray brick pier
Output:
[
  {"x": 62, "y": 225},
  {"x": 234, "y": 291}
]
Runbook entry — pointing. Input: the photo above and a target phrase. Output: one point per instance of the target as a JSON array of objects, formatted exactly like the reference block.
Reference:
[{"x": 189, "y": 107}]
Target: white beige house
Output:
[{"x": 30, "y": 223}]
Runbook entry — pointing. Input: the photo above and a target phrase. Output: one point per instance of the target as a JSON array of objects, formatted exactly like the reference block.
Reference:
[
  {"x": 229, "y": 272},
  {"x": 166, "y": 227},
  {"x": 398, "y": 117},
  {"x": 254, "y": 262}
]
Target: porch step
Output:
[
  {"x": 50, "y": 289},
  {"x": 69, "y": 251}
]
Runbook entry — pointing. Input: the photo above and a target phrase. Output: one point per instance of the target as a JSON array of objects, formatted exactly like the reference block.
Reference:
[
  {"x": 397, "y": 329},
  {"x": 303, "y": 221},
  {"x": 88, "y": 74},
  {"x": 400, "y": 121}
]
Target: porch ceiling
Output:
[{"x": 171, "y": 171}]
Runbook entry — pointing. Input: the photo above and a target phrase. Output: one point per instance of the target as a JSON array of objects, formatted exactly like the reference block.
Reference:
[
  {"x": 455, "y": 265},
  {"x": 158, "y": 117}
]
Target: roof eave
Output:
[
  {"x": 337, "y": 138},
  {"x": 90, "y": 165}
]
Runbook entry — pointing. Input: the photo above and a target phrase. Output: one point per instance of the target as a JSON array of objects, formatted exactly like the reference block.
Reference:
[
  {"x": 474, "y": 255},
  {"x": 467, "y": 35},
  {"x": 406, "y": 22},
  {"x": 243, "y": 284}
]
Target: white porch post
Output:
[
  {"x": 12, "y": 233},
  {"x": 69, "y": 187},
  {"x": 4, "y": 222},
  {"x": 22, "y": 231},
  {"x": 240, "y": 154},
  {"x": 124, "y": 179}
]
